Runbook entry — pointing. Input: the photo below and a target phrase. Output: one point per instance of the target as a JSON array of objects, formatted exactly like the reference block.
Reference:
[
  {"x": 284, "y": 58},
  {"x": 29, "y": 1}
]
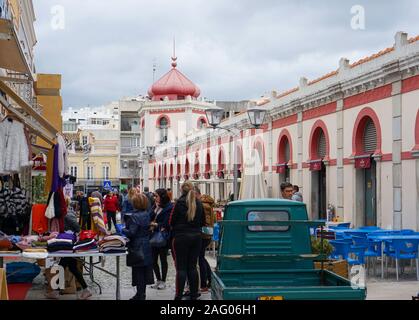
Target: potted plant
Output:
[{"x": 339, "y": 267}]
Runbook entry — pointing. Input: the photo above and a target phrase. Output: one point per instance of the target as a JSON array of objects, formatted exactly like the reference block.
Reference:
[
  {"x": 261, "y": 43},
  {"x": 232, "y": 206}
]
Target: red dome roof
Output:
[{"x": 173, "y": 84}]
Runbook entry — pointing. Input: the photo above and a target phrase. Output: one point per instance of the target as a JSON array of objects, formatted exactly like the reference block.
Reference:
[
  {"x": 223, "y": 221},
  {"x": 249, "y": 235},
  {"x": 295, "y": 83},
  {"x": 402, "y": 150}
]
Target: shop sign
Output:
[
  {"x": 281, "y": 168},
  {"x": 316, "y": 165},
  {"x": 363, "y": 163}
]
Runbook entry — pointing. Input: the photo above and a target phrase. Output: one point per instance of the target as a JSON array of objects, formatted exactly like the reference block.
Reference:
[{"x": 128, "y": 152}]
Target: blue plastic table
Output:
[{"x": 386, "y": 238}]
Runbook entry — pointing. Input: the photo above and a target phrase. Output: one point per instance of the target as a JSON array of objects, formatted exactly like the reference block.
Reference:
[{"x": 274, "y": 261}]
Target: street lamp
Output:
[
  {"x": 214, "y": 117},
  {"x": 150, "y": 151},
  {"x": 256, "y": 116}
]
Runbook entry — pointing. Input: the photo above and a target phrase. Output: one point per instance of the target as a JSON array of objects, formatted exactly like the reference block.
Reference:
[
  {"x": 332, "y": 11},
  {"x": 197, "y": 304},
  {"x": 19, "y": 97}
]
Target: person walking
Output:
[
  {"x": 297, "y": 195},
  {"x": 287, "y": 190},
  {"x": 150, "y": 197},
  {"x": 207, "y": 232},
  {"x": 160, "y": 223},
  {"x": 111, "y": 204},
  {"x": 139, "y": 256},
  {"x": 186, "y": 220}
]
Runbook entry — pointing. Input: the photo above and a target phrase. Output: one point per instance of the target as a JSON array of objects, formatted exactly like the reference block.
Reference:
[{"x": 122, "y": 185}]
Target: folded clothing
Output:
[
  {"x": 67, "y": 236},
  {"x": 35, "y": 250},
  {"x": 5, "y": 244},
  {"x": 53, "y": 241},
  {"x": 112, "y": 244},
  {"x": 113, "y": 238},
  {"x": 39, "y": 244},
  {"x": 26, "y": 242},
  {"x": 48, "y": 236},
  {"x": 114, "y": 250},
  {"x": 60, "y": 248},
  {"x": 35, "y": 253}
]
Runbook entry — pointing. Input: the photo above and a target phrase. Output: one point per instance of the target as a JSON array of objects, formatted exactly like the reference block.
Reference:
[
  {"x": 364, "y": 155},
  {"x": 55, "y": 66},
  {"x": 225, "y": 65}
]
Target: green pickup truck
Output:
[{"x": 265, "y": 253}]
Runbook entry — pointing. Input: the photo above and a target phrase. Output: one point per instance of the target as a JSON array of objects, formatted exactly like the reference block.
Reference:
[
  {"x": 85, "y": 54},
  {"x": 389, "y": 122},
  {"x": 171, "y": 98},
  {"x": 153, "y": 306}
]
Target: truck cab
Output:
[{"x": 265, "y": 253}]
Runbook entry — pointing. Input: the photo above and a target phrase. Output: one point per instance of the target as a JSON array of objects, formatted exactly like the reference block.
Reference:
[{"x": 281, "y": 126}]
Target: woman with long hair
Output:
[
  {"x": 186, "y": 220},
  {"x": 139, "y": 251},
  {"x": 160, "y": 223}
]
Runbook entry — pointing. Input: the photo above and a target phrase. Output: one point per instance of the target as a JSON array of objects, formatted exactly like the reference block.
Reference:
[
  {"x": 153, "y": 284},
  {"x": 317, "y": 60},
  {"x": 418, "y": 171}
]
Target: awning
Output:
[
  {"x": 44, "y": 129},
  {"x": 12, "y": 56}
]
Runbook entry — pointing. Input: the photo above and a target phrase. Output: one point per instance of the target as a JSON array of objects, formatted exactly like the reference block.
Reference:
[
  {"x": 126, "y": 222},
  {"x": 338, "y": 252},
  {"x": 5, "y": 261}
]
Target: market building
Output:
[{"x": 349, "y": 140}]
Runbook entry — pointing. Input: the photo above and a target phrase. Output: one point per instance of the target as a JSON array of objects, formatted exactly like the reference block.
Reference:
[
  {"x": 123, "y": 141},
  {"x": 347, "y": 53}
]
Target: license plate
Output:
[{"x": 271, "y": 298}]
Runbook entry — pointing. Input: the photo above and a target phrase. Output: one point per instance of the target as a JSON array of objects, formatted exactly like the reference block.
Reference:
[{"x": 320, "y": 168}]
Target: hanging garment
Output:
[
  {"x": 62, "y": 157},
  {"x": 39, "y": 221},
  {"x": 50, "y": 167},
  {"x": 14, "y": 151},
  {"x": 55, "y": 174},
  {"x": 97, "y": 216}
]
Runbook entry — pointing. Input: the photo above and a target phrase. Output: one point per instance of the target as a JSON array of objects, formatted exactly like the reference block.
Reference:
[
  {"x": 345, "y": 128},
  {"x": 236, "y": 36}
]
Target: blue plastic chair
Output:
[
  {"x": 344, "y": 249},
  {"x": 344, "y": 225},
  {"x": 404, "y": 250},
  {"x": 407, "y": 231},
  {"x": 372, "y": 249},
  {"x": 370, "y": 228}
]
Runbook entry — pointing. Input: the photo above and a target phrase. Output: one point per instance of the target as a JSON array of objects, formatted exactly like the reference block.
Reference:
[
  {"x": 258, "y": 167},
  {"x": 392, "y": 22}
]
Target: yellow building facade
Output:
[{"x": 47, "y": 89}]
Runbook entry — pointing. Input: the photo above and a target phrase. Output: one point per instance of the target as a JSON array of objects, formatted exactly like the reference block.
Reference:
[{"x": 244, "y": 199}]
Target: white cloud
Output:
[{"x": 232, "y": 49}]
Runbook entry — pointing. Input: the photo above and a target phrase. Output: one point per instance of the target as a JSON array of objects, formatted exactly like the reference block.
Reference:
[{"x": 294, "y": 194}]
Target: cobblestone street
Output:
[{"x": 108, "y": 284}]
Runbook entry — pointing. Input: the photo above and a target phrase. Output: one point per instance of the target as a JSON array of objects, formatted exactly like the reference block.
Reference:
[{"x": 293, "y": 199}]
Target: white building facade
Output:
[{"x": 349, "y": 139}]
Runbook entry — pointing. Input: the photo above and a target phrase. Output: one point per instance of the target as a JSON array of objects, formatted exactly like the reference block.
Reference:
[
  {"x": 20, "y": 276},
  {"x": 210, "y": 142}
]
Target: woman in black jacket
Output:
[
  {"x": 160, "y": 222},
  {"x": 139, "y": 251},
  {"x": 186, "y": 221}
]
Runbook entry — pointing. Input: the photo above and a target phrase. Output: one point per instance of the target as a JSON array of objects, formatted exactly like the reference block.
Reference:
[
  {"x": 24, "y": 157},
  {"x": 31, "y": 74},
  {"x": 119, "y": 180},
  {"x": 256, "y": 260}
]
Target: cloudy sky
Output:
[{"x": 233, "y": 50}]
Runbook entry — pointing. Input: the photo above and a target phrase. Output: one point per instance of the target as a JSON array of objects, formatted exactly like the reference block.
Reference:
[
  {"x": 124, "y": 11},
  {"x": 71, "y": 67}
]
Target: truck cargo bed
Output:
[{"x": 286, "y": 284}]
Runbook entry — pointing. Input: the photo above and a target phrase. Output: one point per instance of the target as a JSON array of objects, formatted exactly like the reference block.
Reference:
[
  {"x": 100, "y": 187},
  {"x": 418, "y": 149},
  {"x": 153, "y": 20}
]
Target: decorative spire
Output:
[{"x": 174, "y": 58}]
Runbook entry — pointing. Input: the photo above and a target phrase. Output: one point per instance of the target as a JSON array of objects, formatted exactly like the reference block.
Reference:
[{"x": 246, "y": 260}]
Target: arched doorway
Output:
[
  {"x": 284, "y": 157},
  {"x": 366, "y": 143},
  {"x": 319, "y": 151},
  {"x": 159, "y": 177},
  {"x": 207, "y": 174},
  {"x": 171, "y": 177},
  {"x": 187, "y": 170},
  {"x": 220, "y": 175}
]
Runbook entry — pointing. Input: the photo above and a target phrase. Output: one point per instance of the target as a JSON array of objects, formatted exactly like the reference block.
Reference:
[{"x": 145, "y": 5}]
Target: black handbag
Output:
[
  {"x": 135, "y": 257},
  {"x": 159, "y": 239}
]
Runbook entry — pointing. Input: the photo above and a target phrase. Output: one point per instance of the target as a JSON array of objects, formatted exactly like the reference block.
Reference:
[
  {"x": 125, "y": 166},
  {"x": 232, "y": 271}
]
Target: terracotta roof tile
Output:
[
  {"x": 330, "y": 74},
  {"x": 357, "y": 63}
]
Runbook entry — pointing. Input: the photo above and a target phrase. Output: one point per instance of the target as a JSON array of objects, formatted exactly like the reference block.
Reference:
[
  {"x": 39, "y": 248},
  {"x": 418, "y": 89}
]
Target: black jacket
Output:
[
  {"x": 163, "y": 217},
  {"x": 179, "y": 219},
  {"x": 137, "y": 231}
]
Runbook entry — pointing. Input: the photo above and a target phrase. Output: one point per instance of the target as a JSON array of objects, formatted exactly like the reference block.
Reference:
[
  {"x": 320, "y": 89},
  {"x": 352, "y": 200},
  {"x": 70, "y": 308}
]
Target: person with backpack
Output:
[
  {"x": 186, "y": 220},
  {"x": 207, "y": 232}
]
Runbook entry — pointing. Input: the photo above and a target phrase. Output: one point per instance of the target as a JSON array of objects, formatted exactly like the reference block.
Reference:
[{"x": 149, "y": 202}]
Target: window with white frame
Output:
[
  {"x": 90, "y": 173},
  {"x": 106, "y": 172},
  {"x": 73, "y": 171}
]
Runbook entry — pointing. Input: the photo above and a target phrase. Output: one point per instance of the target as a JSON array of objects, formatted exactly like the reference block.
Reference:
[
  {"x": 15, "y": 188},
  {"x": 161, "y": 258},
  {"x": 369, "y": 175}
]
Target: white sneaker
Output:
[
  {"x": 161, "y": 286},
  {"x": 85, "y": 294},
  {"x": 156, "y": 285}
]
